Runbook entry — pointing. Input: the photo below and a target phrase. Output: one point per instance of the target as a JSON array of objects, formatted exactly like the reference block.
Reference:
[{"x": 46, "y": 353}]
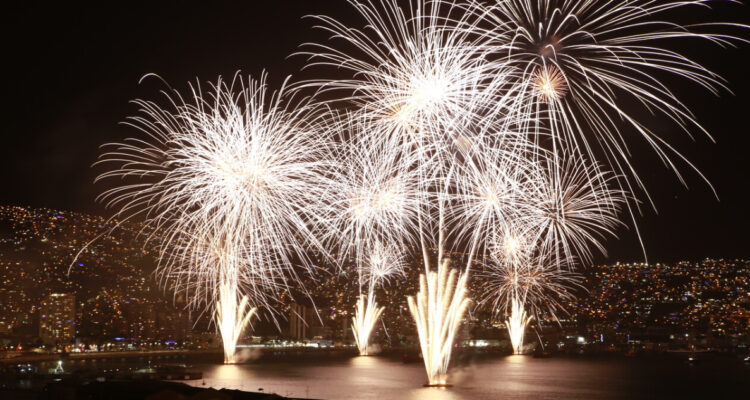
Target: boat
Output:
[
  {"x": 25, "y": 369},
  {"x": 438, "y": 385}
]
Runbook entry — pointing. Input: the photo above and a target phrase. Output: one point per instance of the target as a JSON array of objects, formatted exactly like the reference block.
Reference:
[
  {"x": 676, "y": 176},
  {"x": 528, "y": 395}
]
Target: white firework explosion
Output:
[
  {"x": 576, "y": 61},
  {"x": 436, "y": 106},
  {"x": 523, "y": 283},
  {"x": 374, "y": 215},
  {"x": 410, "y": 71},
  {"x": 231, "y": 181},
  {"x": 378, "y": 197}
]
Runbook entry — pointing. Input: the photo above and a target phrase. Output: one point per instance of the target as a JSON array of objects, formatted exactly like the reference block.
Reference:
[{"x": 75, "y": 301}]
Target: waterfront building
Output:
[
  {"x": 299, "y": 321},
  {"x": 57, "y": 318}
]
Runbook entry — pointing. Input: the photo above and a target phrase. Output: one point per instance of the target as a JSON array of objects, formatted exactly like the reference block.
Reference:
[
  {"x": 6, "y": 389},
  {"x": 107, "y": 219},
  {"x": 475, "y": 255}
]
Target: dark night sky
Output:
[{"x": 73, "y": 69}]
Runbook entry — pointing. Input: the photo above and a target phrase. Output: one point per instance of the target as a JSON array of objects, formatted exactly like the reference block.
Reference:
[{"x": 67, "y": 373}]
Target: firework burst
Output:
[
  {"x": 576, "y": 207},
  {"x": 549, "y": 83},
  {"x": 230, "y": 180},
  {"x": 377, "y": 195},
  {"x": 525, "y": 283},
  {"x": 411, "y": 72},
  {"x": 482, "y": 110},
  {"x": 576, "y": 60}
]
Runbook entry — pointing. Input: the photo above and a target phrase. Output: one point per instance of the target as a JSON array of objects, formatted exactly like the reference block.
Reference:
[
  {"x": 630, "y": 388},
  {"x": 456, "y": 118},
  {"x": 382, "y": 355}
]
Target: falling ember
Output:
[
  {"x": 364, "y": 320},
  {"x": 516, "y": 324},
  {"x": 549, "y": 83},
  {"x": 438, "y": 310},
  {"x": 232, "y": 317}
]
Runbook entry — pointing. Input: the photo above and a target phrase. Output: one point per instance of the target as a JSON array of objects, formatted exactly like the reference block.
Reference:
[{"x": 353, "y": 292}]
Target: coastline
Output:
[
  {"x": 130, "y": 390},
  {"x": 29, "y": 358}
]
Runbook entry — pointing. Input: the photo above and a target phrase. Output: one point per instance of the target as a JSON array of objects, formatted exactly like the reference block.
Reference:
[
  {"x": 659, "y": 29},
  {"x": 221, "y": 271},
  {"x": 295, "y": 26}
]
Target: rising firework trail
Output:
[
  {"x": 365, "y": 317},
  {"x": 516, "y": 324},
  {"x": 381, "y": 264},
  {"x": 232, "y": 316},
  {"x": 231, "y": 180},
  {"x": 438, "y": 309},
  {"x": 525, "y": 283}
]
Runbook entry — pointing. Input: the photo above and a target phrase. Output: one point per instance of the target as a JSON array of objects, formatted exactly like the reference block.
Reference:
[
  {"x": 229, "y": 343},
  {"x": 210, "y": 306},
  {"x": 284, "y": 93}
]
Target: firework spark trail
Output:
[
  {"x": 414, "y": 78},
  {"x": 591, "y": 50},
  {"x": 378, "y": 197},
  {"x": 231, "y": 181},
  {"x": 233, "y": 310},
  {"x": 524, "y": 282},
  {"x": 232, "y": 316},
  {"x": 382, "y": 263},
  {"x": 374, "y": 216},
  {"x": 366, "y": 316},
  {"x": 517, "y": 325},
  {"x": 576, "y": 207},
  {"x": 576, "y": 60},
  {"x": 512, "y": 185},
  {"x": 541, "y": 288},
  {"x": 438, "y": 310},
  {"x": 495, "y": 186}
]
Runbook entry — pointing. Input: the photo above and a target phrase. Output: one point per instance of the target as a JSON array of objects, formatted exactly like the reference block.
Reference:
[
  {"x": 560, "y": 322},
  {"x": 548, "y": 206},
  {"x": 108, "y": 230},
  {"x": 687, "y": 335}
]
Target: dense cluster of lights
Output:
[
  {"x": 707, "y": 297},
  {"x": 115, "y": 294}
]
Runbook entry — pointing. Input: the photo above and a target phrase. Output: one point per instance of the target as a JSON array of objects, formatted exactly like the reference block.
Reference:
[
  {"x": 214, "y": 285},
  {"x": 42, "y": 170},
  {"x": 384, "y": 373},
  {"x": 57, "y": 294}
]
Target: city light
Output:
[{"x": 440, "y": 185}]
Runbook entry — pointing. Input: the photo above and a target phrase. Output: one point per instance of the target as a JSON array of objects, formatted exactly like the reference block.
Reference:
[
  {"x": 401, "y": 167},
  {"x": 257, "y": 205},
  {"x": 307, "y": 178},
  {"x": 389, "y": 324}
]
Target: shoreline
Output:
[
  {"x": 29, "y": 358},
  {"x": 133, "y": 390}
]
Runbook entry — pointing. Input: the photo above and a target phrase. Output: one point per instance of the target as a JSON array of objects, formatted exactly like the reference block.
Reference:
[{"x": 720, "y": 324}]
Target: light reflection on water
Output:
[{"x": 512, "y": 377}]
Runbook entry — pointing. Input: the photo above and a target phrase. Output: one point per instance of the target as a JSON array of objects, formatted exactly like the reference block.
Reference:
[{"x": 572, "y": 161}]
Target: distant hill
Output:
[{"x": 112, "y": 278}]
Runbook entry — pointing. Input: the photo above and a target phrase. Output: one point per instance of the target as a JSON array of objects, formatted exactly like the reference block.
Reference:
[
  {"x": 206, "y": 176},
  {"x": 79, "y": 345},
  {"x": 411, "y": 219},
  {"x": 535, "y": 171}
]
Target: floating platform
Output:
[{"x": 438, "y": 385}]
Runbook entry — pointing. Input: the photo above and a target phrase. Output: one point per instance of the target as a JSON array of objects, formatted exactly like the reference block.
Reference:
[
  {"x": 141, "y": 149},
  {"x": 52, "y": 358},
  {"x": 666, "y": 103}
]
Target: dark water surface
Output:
[{"x": 512, "y": 377}]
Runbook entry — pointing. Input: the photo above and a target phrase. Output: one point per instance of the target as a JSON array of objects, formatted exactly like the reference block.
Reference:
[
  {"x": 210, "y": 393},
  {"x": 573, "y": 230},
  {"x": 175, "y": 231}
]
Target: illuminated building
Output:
[
  {"x": 299, "y": 321},
  {"x": 57, "y": 318}
]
